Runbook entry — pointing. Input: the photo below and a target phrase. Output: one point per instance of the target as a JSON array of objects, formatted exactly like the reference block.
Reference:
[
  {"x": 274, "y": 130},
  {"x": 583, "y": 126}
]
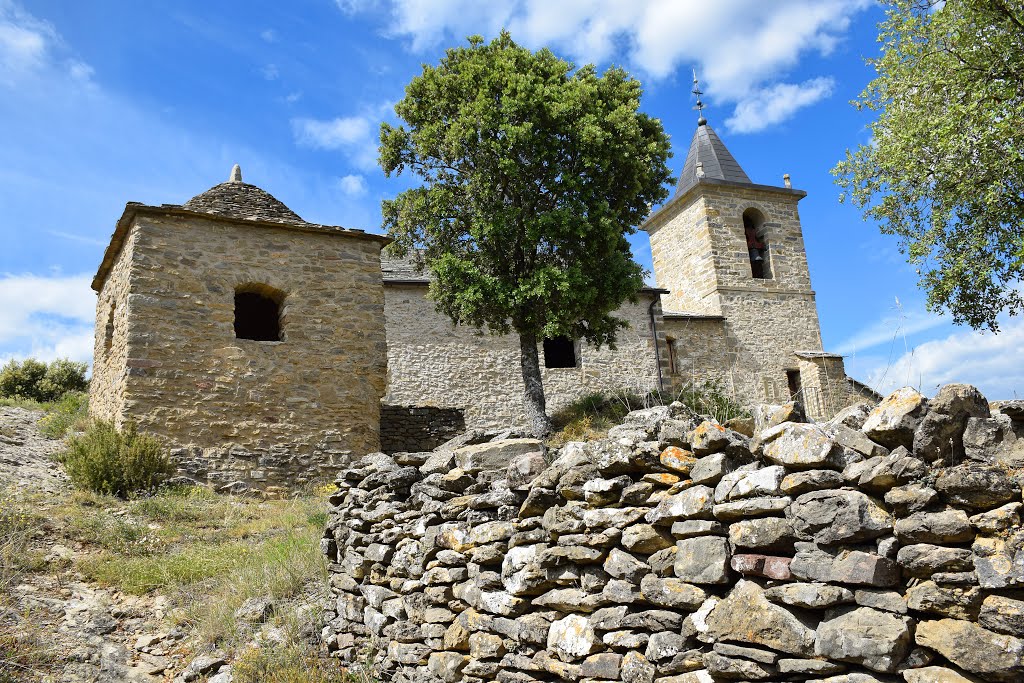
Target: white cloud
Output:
[
  {"x": 46, "y": 317},
  {"x": 353, "y": 185},
  {"x": 741, "y": 47},
  {"x": 898, "y": 324},
  {"x": 269, "y": 35},
  {"x": 354, "y": 6},
  {"x": 776, "y": 103},
  {"x": 992, "y": 362},
  {"x": 24, "y": 43},
  {"x": 353, "y": 135}
]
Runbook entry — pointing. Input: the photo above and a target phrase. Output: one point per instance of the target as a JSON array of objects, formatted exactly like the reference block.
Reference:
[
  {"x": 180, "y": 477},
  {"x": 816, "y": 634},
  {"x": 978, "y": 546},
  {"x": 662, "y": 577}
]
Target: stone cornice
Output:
[
  {"x": 133, "y": 210},
  {"x": 655, "y": 220}
]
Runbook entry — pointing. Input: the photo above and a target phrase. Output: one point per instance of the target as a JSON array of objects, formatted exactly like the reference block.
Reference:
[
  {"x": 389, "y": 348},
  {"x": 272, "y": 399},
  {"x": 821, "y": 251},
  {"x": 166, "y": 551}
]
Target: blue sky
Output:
[{"x": 106, "y": 101}]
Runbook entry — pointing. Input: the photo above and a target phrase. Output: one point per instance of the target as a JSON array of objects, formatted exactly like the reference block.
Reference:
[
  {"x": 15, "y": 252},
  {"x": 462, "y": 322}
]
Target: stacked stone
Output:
[{"x": 884, "y": 545}]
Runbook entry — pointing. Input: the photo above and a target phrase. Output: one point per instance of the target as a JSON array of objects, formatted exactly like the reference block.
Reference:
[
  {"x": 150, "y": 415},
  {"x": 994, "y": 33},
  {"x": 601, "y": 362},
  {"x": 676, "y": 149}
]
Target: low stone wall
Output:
[
  {"x": 418, "y": 428},
  {"x": 884, "y": 545}
]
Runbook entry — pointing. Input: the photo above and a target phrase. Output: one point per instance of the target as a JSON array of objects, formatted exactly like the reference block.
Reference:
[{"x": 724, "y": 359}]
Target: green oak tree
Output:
[
  {"x": 534, "y": 172},
  {"x": 944, "y": 170}
]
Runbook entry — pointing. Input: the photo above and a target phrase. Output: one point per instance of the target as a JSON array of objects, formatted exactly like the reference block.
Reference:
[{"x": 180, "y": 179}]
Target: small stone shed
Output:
[{"x": 251, "y": 339}]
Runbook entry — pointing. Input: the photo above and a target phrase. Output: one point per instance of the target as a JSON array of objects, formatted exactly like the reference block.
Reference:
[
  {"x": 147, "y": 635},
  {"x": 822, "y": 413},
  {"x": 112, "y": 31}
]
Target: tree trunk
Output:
[{"x": 533, "y": 386}]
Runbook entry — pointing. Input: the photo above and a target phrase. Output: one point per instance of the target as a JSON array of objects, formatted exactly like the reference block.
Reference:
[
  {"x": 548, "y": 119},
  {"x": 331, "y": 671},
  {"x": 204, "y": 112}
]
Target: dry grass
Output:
[{"x": 206, "y": 552}]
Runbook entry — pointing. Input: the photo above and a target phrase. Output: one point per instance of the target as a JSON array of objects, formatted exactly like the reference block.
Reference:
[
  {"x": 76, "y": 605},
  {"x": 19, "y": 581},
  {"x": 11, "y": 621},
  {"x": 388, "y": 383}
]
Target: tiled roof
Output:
[
  {"x": 706, "y": 147},
  {"x": 402, "y": 269},
  {"x": 235, "y": 199}
]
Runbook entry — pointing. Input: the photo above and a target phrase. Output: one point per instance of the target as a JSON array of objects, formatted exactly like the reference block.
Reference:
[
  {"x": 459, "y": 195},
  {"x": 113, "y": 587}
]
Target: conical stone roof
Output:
[
  {"x": 235, "y": 199},
  {"x": 716, "y": 161}
]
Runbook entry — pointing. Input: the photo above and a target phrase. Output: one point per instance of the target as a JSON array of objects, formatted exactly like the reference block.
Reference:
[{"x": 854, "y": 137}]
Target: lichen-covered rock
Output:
[
  {"x": 744, "y": 483},
  {"x": 974, "y": 649},
  {"x": 978, "y": 487},
  {"x": 922, "y": 559},
  {"x": 702, "y": 560},
  {"x": 809, "y": 595},
  {"x": 999, "y": 560},
  {"x": 671, "y": 592},
  {"x": 830, "y": 517},
  {"x": 746, "y": 616},
  {"x": 872, "y": 638},
  {"x": 494, "y": 455},
  {"x": 936, "y": 674},
  {"x": 572, "y": 638},
  {"x": 948, "y": 601},
  {"x": 694, "y": 502},
  {"x": 881, "y": 473},
  {"x": 804, "y": 446},
  {"x": 646, "y": 539},
  {"x": 855, "y": 567},
  {"x": 939, "y": 436},
  {"x": 1003, "y": 614},
  {"x": 948, "y": 526},
  {"x": 766, "y": 533},
  {"x": 893, "y": 421}
]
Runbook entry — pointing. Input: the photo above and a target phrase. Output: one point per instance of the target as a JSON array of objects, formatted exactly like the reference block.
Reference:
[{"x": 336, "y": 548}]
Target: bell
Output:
[{"x": 758, "y": 257}]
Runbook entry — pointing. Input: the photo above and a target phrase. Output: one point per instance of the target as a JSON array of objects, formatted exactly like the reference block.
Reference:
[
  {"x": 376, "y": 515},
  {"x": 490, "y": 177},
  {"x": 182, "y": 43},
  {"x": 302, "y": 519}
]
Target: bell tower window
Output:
[
  {"x": 757, "y": 244},
  {"x": 258, "y": 313}
]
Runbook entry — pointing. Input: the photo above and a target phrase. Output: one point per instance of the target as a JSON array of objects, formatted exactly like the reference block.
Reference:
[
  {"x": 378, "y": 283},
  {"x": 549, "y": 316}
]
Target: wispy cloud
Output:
[
  {"x": 84, "y": 239},
  {"x": 742, "y": 47},
  {"x": 46, "y": 317},
  {"x": 777, "y": 103},
  {"x": 992, "y": 362},
  {"x": 354, "y": 136},
  {"x": 270, "y": 72}
]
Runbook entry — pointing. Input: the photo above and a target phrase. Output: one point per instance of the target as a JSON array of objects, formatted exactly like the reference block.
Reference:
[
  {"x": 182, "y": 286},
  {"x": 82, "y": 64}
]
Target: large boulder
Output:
[
  {"x": 978, "y": 487},
  {"x": 746, "y": 616},
  {"x": 869, "y": 637},
  {"x": 977, "y": 650},
  {"x": 804, "y": 446},
  {"x": 939, "y": 436},
  {"x": 831, "y": 517},
  {"x": 893, "y": 422},
  {"x": 494, "y": 455}
]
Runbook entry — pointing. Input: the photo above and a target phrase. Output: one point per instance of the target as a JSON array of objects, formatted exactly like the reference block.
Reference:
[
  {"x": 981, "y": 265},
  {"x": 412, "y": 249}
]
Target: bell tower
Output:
[{"x": 741, "y": 311}]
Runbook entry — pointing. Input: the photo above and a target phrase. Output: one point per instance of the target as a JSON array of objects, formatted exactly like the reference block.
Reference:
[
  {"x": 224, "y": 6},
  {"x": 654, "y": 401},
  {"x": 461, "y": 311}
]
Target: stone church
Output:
[{"x": 268, "y": 349}]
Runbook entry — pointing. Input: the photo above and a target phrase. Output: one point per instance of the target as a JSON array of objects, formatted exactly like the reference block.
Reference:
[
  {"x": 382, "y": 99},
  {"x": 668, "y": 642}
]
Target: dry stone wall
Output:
[{"x": 884, "y": 545}]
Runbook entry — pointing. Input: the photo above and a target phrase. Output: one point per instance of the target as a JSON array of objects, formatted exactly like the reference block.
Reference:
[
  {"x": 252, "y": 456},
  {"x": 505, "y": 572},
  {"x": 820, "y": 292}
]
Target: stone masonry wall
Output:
[
  {"x": 423, "y": 428},
  {"x": 430, "y": 363},
  {"x": 109, "y": 380},
  {"x": 882, "y": 546},
  {"x": 285, "y": 411}
]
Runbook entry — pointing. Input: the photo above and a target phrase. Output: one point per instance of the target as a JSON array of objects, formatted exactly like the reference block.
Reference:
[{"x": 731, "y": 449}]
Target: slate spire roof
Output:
[
  {"x": 715, "y": 161},
  {"x": 235, "y": 199}
]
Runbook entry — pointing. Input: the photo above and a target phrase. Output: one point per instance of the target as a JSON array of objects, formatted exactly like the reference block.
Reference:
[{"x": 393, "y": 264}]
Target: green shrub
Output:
[
  {"x": 37, "y": 381},
  {"x": 69, "y": 413},
  {"x": 104, "y": 460}
]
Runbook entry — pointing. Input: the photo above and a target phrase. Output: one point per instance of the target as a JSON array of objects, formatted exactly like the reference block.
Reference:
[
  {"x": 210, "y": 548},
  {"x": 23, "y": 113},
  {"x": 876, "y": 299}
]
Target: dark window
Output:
[
  {"x": 672, "y": 367},
  {"x": 257, "y": 314},
  {"x": 793, "y": 380},
  {"x": 757, "y": 244},
  {"x": 108, "y": 333},
  {"x": 559, "y": 352}
]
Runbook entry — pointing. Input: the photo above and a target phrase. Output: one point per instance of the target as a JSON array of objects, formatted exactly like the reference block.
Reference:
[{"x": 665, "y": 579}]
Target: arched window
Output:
[
  {"x": 258, "y": 313},
  {"x": 757, "y": 244}
]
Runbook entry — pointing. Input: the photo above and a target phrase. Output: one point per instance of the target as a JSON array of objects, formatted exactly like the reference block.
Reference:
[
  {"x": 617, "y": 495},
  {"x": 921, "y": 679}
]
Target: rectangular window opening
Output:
[{"x": 560, "y": 352}]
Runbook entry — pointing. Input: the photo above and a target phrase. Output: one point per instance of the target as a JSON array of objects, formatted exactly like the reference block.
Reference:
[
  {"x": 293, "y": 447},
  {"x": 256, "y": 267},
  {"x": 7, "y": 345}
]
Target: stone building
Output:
[
  {"x": 740, "y": 310},
  {"x": 249, "y": 338},
  {"x": 271, "y": 349},
  {"x": 722, "y": 314}
]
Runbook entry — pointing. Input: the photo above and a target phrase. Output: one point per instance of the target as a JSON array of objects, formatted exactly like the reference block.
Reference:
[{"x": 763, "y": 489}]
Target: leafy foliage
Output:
[
  {"x": 945, "y": 169},
  {"x": 70, "y": 412},
  {"x": 534, "y": 174},
  {"x": 34, "y": 380},
  {"x": 120, "y": 463}
]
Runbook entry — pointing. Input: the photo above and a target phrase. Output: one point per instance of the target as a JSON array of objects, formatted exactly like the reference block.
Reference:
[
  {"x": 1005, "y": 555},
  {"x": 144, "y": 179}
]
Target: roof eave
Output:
[
  {"x": 655, "y": 219},
  {"x": 132, "y": 210}
]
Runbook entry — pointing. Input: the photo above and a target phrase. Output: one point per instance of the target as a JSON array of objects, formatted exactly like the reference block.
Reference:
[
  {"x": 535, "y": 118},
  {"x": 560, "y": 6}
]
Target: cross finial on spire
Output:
[{"x": 700, "y": 105}]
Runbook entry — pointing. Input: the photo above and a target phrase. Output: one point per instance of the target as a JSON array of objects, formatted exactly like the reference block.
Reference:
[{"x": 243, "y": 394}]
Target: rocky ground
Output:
[
  {"x": 56, "y": 625},
  {"x": 90, "y": 633}
]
